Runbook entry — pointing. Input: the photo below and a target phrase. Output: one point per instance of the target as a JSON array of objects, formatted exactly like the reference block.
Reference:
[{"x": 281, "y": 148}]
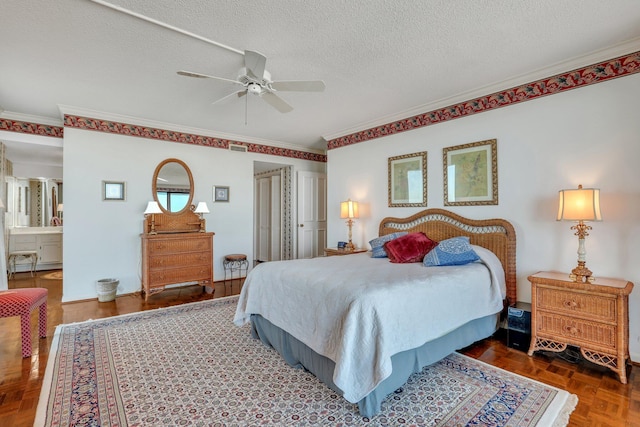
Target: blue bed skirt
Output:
[{"x": 405, "y": 363}]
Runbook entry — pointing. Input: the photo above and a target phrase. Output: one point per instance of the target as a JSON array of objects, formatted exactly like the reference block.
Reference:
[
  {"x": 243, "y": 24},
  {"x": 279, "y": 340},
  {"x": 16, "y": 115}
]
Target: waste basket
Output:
[{"x": 107, "y": 289}]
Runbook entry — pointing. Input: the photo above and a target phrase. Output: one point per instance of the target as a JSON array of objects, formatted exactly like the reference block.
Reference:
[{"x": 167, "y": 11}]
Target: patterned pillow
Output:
[
  {"x": 377, "y": 244},
  {"x": 454, "y": 251},
  {"x": 410, "y": 248}
]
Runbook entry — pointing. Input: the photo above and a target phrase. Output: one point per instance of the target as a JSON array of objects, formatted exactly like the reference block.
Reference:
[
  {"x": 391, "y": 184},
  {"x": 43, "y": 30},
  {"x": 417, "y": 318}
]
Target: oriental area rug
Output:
[{"x": 189, "y": 365}]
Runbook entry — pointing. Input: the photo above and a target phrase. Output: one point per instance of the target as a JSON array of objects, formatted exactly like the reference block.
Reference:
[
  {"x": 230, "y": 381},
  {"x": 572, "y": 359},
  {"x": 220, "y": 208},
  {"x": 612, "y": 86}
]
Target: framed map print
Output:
[
  {"x": 471, "y": 174},
  {"x": 408, "y": 180}
]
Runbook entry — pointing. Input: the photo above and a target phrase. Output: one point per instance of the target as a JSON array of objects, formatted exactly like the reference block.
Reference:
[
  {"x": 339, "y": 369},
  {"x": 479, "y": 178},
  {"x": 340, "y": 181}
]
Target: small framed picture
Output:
[
  {"x": 220, "y": 193},
  {"x": 342, "y": 245},
  {"x": 113, "y": 190}
]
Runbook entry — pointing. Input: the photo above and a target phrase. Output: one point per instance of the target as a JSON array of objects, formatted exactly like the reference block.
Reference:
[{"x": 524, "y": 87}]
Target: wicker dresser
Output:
[
  {"x": 176, "y": 258},
  {"x": 592, "y": 316}
]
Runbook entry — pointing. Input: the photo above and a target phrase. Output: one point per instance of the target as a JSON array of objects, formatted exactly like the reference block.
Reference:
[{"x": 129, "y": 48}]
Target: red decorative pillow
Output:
[{"x": 409, "y": 248}]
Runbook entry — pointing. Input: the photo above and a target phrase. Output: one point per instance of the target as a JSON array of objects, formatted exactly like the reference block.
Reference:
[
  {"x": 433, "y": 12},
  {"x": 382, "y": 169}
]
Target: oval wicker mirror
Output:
[{"x": 173, "y": 186}]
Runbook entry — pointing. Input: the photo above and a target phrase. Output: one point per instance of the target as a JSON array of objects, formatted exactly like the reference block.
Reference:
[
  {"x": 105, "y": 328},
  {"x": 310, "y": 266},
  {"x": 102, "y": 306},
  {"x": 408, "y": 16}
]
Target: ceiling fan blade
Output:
[
  {"x": 299, "y": 86},
  {"x": 239, "y": 93},
  {"x": 206, "y": 76},
  {"x": 276, "y": 102},
  {"x": 255, "y": 62}
]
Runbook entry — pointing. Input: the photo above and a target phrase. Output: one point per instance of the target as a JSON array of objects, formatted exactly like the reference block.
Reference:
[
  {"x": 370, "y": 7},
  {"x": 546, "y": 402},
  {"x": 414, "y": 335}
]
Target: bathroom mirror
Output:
[
  {"x": 33, "y": 202},
  {"x": 173, "y": 186}
]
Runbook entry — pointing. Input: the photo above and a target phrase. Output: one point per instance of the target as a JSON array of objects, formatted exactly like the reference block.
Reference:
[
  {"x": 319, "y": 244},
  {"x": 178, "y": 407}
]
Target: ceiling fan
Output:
[
  {"x": 256, "y": 80},
  {"x": 253, "y": 78}
]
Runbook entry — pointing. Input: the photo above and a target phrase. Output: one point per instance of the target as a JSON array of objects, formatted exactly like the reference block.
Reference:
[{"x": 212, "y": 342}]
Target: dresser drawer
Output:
[
  {"x": 180, "y": 260},
  {"x": 160, "y": 278},
  {"x": 172, "y": 246},
  {"x": 576, "y": 331},
  {"x": 577, "y": 304}
]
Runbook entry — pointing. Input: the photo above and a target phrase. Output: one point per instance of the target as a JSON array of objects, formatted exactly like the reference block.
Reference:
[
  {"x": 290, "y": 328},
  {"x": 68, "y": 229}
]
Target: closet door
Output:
[
  {"x": 263, "y": 219},
  {"x": 312, "y": 214},
  {"x": 275, "y": 251}
]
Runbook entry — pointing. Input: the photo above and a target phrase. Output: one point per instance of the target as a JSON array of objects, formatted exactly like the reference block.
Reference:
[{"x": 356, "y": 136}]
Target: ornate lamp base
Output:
[
  {"x": 350, "y": 246},
  {"x": 581, "y": 273}
]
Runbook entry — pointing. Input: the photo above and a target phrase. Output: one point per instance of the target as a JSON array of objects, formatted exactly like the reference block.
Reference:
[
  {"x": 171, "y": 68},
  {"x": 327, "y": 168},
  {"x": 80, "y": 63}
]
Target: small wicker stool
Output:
[
  {"x": 234, "y": 263},
  {"x": 15, "y": 255},
  {"x": 21, "y": 302}
]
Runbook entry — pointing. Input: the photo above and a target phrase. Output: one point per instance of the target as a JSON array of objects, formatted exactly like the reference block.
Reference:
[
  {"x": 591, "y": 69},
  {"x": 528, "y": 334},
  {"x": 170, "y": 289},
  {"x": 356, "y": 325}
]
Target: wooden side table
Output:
[
  {"x": 336, "y": 251},
  {"x": 592, "y": 316}
]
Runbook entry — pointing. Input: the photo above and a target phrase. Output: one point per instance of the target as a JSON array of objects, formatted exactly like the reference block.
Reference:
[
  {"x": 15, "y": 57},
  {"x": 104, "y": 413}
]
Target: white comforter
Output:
[{"x": 359, "y": 311}]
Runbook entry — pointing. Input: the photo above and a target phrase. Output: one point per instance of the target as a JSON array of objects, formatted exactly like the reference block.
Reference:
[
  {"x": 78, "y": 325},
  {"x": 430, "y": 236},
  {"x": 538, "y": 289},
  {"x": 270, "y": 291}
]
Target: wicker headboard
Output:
[{"x": 497, "y": 235}]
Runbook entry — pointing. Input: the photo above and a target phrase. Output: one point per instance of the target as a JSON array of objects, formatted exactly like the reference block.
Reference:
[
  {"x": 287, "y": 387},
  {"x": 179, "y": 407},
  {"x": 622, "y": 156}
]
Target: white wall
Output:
[
  {"x": 588, "y": 136},
  {"x": 32, "y": 170},
  {"x": 101, "y": 238}
]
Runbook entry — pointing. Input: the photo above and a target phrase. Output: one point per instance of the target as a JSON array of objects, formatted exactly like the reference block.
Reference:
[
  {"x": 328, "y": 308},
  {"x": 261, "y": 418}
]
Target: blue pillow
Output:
[
  {"x": 454, "y": 251},
  {"x": 377, "y": 244}
]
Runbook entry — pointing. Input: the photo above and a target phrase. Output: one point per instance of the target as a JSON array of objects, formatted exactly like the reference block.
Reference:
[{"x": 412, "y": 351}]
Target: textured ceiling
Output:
[{"x": 379, "y": 59}]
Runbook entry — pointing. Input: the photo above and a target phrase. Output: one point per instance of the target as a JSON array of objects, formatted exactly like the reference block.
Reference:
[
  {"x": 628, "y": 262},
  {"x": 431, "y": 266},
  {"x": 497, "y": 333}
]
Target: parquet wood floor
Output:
[{"x": 603, "y": 401}]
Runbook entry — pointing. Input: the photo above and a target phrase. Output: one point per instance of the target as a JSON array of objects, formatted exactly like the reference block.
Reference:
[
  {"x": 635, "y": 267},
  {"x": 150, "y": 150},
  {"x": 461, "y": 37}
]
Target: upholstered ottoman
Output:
[{"x": 21, "y": 302}]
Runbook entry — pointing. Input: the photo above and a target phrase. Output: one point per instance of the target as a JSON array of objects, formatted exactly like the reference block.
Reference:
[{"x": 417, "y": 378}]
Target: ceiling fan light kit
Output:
[{"x": 254, "y": 88}]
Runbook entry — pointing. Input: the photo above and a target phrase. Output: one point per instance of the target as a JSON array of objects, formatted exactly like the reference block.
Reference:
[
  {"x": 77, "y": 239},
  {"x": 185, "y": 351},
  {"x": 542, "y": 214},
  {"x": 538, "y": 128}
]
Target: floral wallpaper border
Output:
[
  {"x": 87, "y": 123},
  {"x": 31, "y": 128},
  {"x": 596, "y": 73}
]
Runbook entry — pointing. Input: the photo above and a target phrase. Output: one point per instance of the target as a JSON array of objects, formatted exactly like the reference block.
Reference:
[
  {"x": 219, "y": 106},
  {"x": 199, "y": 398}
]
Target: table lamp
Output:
[
  {"x": 349, "y": 210},
  {"x": 202, "y": 208},
  {"x": 152, "y": 209},
  {"x": 579, "y": 206}
]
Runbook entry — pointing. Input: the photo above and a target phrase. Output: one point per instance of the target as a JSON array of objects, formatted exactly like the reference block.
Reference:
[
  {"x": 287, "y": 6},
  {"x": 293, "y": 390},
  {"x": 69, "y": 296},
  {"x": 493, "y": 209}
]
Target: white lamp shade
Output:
[
  {"x": 153, "y": 208},
  {"x": 349, "y": 209},
  {"x": 582, "y": 204},
  {"x": 60, "y": 207},
  {"x": 202, "y": 208}
]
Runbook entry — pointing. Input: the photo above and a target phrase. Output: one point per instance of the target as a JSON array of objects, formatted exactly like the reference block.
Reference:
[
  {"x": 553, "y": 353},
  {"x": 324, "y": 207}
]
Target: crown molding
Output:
[
  {"x": 8, "y": 136},
  {"x": 28, "y": 118},
  {"x": 577, "y": 62},
  {"x": 131, "y": 120}
]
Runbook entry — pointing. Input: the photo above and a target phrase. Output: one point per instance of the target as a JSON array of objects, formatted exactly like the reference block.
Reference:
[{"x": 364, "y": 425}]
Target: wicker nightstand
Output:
[
  {"x": 593, "y": 316},
  {"x": 336, "y": 251}
]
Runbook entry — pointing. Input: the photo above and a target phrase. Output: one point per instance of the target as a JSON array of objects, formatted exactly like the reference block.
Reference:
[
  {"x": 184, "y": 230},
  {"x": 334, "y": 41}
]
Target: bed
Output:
[{"x": 363, "y": 325}]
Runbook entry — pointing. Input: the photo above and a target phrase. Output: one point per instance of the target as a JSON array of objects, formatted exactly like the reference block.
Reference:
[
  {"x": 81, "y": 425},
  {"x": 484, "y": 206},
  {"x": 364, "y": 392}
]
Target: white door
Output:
[
  {"x": 312, "y": 214},
  {"x": 263, "y": 219}
]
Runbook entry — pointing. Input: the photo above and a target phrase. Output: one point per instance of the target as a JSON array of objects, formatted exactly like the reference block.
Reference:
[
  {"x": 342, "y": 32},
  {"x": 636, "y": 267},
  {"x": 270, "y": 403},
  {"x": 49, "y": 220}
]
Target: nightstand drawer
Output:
[
  {"x": 589, "y": 306},
  {"x": 576, "y": 331}
]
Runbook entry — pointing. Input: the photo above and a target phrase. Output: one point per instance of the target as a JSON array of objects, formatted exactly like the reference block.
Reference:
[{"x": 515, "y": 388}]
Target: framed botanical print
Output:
[
  {"x": 407, "y": 180},
  {"x": 220, "y": 194},
  {"x": 471, "y": 174}
]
